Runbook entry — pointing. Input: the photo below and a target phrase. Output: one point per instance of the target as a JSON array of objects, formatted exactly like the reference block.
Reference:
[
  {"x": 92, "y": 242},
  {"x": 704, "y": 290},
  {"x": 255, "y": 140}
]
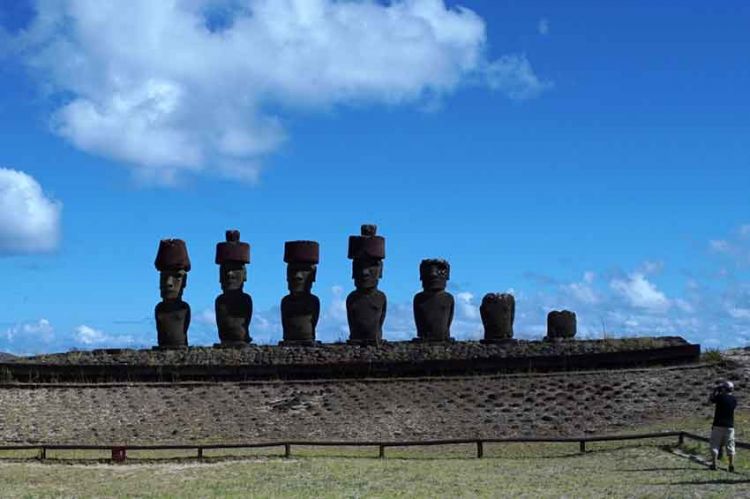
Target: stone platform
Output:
[
  {"x": 555, "y": 404},
  {"x": 326, "y": 361}
]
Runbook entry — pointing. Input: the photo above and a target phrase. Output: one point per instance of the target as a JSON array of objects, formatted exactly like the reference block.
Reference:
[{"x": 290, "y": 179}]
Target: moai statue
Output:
[
  {"x": 433, "y": 307},
  {"x": 365, "y": 306},
  {"x": 234, "y": 308},
  {"x": 561, "y": 325},
  {"x": 498, "y": 311},
  {"x": 300, "y": 309},
  {"x": 172, "y": 314}
]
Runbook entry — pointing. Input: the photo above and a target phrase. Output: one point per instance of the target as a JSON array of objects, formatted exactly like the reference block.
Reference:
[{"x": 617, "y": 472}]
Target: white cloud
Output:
[
  {"x": 720, "y": 246},
  {"x": 466, "y": 307},
  {"x": 640, "y": 292},
  {"x": 207, "y": 317},
  {"x": 88, "y": 336},
  {"x": 40, "y": 330},
  {"x": 513, "y": 75},
  {"x": 584, "y": 291},
  {"x": 29, "y": 220},
  {"x": 543, "y": 26},
  {"x": 163, "y": 86}
]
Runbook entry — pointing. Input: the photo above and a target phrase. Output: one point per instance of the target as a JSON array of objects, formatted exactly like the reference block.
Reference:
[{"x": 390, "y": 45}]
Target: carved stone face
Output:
[
  {"x": 366, "y": 272},
  {"x": 232, "y": 276},
  {"x": 434, "y": 277},
  {"x": 300, "y": 277},
  {"x": 172, "y": 283}
]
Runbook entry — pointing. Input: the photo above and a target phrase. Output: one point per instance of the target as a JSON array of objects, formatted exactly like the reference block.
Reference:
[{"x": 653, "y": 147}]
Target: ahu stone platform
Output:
[
  {"x": 325, "y": 361},
  {"x": 569, "y": 403}
]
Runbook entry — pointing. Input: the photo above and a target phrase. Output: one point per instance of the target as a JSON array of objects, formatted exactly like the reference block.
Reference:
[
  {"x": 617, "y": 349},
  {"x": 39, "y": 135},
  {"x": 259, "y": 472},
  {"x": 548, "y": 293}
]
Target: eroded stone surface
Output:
[
  {"x": 233, "y": 307},
  {"x": 497, "y": 311},
  {"x": 172, "y": 314},
  {"x": 300, "y": 309},
  {"x": 433, "y": 306},
  {"x": 366, "y": 305},
  {"x": 513, "y": 405}
]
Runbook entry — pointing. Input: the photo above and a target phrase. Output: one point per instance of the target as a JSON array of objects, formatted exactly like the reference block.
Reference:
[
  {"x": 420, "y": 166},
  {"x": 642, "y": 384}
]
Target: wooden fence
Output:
[{"x": 119, "y": 452}]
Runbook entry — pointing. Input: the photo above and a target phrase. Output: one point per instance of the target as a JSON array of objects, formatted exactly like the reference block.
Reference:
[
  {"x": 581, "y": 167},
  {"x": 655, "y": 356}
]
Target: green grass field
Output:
[
  {"x": 546, "y": 471},
  {"x": 607, "y": 469}
]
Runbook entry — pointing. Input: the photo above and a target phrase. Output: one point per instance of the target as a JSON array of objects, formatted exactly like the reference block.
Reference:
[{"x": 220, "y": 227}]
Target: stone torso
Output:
[
  {"x": 233, "y": 313},
  {"x": 366, "y": 313},
  {"x": 299, "y": 316},
  {"x": 433, "y": 314},
  {"x": 172, "y": 323}
]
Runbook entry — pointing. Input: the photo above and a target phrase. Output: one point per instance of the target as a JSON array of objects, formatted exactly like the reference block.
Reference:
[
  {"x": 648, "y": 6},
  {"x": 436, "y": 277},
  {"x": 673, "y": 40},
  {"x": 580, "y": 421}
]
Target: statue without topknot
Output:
[
  {"x": 433, "y": 307},
  {"x": 234, "y": 307},
  {"x": 366, "y": 305},
  {"x": 561, "y": 325},
  {"x": 498, "y": 311},
  {"x": 300, "y": 309},
  {"x": 172, "y": 314}
]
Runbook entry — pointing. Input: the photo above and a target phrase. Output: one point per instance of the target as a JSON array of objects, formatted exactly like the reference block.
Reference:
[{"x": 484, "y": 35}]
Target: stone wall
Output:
[
  {"x": 571, "y": 403},
  {"x": 349, "y": 361}
]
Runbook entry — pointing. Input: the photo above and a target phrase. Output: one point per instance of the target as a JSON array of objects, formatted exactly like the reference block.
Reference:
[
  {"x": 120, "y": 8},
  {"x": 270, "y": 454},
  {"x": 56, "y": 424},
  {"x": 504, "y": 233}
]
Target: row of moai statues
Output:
[{"x": 300, "y": 309}]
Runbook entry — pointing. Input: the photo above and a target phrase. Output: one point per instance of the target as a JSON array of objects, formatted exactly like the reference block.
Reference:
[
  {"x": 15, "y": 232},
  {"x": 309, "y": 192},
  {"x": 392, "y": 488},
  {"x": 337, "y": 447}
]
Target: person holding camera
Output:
[{"x": 722, "y": 431}]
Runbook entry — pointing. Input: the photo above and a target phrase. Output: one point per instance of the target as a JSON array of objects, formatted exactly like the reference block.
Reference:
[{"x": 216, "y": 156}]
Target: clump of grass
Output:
[{"x": 712, "y": 356}]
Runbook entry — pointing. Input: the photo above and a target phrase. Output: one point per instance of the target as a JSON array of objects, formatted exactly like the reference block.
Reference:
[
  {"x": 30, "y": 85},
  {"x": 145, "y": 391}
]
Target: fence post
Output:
[
  {"x": 681, "y": 438},
  {"x": 582, "y": 446},
  {"x": 381, "y": 451},
  {"x": 200, "y": 452},
  {"x": 287, "y": 450},
  {"x": 480, "y": 449},
  {"x": 43, "y": 453}
]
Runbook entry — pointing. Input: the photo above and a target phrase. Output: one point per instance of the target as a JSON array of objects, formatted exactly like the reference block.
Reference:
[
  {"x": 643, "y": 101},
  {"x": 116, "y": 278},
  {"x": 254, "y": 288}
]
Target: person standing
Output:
[{"x": 722, "y": 431}]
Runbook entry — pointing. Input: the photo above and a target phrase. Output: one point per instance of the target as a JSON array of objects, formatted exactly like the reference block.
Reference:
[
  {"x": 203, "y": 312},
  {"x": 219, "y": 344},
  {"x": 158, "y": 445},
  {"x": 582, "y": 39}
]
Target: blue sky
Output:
[{"x": 582, "y": 155}]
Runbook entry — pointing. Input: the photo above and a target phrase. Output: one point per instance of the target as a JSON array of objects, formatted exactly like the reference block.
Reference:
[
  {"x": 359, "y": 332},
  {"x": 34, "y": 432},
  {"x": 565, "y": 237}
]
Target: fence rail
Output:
[{"x": 119, "y": 452}]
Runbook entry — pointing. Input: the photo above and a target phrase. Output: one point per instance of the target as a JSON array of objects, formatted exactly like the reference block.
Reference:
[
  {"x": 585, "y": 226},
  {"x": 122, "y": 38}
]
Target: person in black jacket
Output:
[{"x": 722, "y": 431}]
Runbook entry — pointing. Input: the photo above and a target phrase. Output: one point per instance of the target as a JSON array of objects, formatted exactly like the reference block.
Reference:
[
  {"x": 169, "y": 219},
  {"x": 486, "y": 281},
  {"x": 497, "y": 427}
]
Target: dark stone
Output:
[
  {"x": 433, "y": 307},
  {"x": 233, "y": 312},
  {"x": 172, "y": 255},
  {"x": 498, "y": 311},
  {"x": 366, "y": 305},
  {"x": 561, "y": 325},
  {"x": 172, "y": 314},
  {"x": 300, "y": 309},
  {"x": 172, "y": 323},
  {"x": 234, "y": 308}
]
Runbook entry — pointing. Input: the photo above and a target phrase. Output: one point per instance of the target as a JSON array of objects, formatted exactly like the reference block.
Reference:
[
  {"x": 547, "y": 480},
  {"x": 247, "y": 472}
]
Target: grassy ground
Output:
[
  {"x": 637, "y": 471},
  {"x": 607, "y": 469}
]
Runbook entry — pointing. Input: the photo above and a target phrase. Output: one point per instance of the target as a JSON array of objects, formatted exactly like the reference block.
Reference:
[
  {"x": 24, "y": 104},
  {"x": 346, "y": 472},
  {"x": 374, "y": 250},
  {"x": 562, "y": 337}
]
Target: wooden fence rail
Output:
[{"x": 119, "y": 452}]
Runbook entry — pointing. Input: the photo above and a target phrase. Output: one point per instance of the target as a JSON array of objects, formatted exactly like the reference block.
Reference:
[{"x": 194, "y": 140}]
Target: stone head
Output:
[
  {"x": 366, "y": 272},
  {"x": 300, "y": 277},
  {"x": 302, "y": 259},
  {"x": 172, "y": 283},
  {"x": 367, "y": 252},
  {"x": 434, "y": 274},
  {"x": 232, "y": 276},
  {"x": 173, "y": 263},
  {"x": 232, "y": 256}
]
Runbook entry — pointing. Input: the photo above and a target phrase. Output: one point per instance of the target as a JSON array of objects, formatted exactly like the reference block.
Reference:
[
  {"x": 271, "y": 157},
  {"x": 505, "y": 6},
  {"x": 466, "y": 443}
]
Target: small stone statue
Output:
[
  {"x": 365, "y": 306},
  {"x": 172, "y": 314},
  {"x": 300, "y": 309},
  {"x": 561, "y": 325},
  {"x": 498, "y": 311},
  {"x": 233, "y": 307},
  {"x": 433, "y": 307}
]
